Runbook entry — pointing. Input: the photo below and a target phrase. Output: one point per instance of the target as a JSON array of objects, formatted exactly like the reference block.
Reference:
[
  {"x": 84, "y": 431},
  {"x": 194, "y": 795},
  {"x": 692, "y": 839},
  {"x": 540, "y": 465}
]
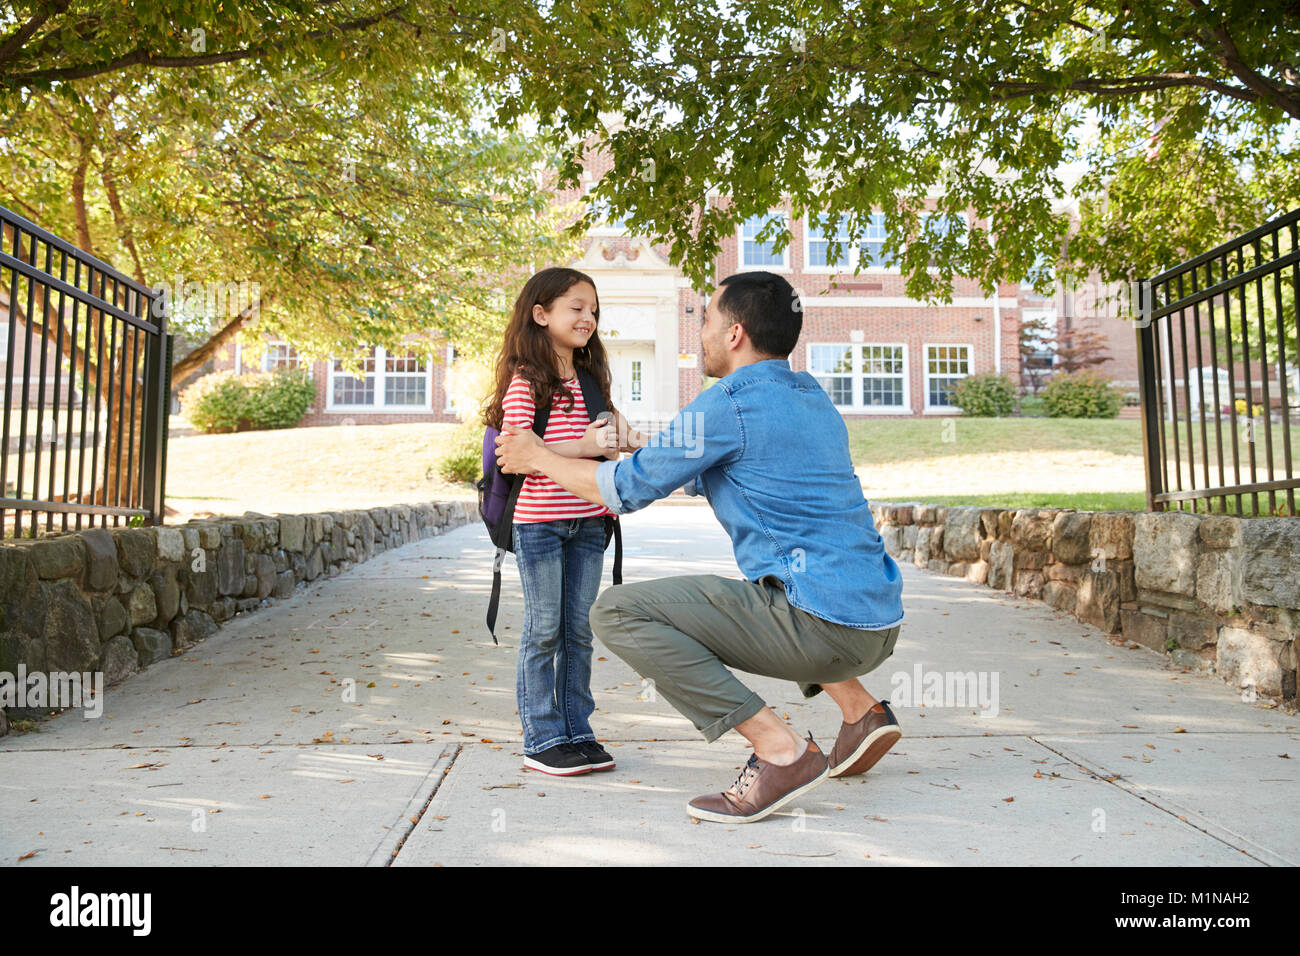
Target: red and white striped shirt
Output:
[{"x": 541, "y": 499}]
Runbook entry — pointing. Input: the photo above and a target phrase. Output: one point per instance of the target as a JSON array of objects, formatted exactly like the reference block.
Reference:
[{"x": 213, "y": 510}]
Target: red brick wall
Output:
[{"x": 914, "y": 327}]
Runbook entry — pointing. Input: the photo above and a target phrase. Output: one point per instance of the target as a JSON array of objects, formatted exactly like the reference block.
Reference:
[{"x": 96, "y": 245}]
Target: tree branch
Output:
[
  {"x": 1127, "y": 85},
  {"x": 1230, "y": 56},
  {"x": 9, "y": 49},
  {"x": 193, "y": 363},
  {"x": 125, "y": 232},
  {"x": 145, "y": 57}
]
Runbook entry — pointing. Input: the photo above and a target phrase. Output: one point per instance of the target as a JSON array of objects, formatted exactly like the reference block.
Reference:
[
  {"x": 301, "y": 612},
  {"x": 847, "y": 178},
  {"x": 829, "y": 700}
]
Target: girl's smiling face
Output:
[{"x": 572, "y": 318}]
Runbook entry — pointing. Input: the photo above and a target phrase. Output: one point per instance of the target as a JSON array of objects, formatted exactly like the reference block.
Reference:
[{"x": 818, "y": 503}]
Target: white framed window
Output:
[
  {"x": 884, "y": 377},
  {"x": 634, "y": 394},
  {"x": 1041, "y": 352},
  {"x": 869, "y": 377},
  {"x": 817, "y": 247},
  {"x": 346, "y": 391},
  {"x": 869, "y": 250},
  {"x": 760, "y": 255},
  {"x": 397, "y": 381},
  {"x": 945, "y": 224},
  {"x": 607, "y": 224},
  {"x": 832, "y": 366},
  {"x": 1041, "y": 263},
  {"x": 945, "y": 366},
  {"x": 280, "y": 354},
  {"x": 406, "y": 379}
]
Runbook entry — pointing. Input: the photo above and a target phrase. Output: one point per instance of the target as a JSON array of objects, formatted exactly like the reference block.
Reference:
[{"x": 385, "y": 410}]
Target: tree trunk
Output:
[{"x": 193, "y": 363}]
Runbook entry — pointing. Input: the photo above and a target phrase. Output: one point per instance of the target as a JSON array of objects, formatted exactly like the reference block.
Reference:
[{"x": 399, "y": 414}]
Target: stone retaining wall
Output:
[
  {"x": 1215, "y": 593},
  {"x": 117, "y": 600}
]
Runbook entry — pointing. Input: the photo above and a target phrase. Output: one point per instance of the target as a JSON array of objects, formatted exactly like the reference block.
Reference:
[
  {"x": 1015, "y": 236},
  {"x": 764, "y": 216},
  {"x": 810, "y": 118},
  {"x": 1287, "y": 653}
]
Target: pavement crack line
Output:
[
  {"x": 289, "y": 745},
  {"x": 1132, "y": 789},
  {"x": 442, "y": 775}
]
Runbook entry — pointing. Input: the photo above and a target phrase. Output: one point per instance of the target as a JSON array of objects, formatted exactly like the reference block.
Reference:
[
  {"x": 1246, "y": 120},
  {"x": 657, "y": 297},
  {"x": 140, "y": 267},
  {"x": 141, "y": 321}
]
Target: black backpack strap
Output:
[
  {"x": 507, "y": 521},
  {"x": 618, "y": 551},
  {"x": 591, "y": 394},
  {"x": 495, "y": 600}
]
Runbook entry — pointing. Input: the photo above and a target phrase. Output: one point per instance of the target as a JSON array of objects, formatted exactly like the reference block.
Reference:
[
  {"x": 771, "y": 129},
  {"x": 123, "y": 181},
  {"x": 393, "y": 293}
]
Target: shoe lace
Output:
[{"x": 747, "y": 776}]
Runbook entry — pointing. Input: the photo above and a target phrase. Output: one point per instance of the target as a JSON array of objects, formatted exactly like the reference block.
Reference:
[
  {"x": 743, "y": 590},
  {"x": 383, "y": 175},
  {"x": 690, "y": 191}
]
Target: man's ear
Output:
[{"x": 736, "y": 336}]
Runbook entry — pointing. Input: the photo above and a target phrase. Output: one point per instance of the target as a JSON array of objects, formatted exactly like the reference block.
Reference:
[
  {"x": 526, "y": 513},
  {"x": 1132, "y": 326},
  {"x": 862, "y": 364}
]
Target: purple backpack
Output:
[{"x": 498, "y": 493}]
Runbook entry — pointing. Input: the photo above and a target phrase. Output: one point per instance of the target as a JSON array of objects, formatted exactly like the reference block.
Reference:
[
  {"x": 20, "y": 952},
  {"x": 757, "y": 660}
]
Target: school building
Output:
[{"x": 876, "y": 351}]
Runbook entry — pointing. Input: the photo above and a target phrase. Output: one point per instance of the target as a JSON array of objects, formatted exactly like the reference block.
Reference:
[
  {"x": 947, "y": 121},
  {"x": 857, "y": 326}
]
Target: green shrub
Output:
[
  {"x": 215, "y": 403},
  {"x": 225, "y": 402},
  {"x": 279, "y": 399},
  {"x": 463, "y": 459},
  {"x": 985, "y": 396},
  {"x": 466, "y": 466},
  {"x": 1081, "y": 395}
]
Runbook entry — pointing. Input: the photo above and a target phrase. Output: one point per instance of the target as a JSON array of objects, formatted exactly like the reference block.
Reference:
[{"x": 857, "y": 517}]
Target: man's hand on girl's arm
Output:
[
  {"x": 596, "y": 442},
  {"x": 629, "y": 439},
  {"x": 520, "y": 451}
]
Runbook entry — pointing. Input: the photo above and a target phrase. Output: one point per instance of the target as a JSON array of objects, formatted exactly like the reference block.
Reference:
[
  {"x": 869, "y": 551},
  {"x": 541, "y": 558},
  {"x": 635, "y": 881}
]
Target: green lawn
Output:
[
  {"x": 1099, "y": 501},
  {"x": 1088, "y": 501},
  {"x": 903, "y": 439},
  {"x": 1087, "y": 464}
]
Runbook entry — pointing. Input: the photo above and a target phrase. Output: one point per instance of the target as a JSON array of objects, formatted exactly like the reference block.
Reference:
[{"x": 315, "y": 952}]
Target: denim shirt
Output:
[{"x": 769, "y": 451}]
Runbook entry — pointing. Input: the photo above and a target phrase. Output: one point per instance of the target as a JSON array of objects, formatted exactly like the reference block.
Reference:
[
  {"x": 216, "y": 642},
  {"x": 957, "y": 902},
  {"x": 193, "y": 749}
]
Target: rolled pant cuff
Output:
[
  {"x": 752, "y": 705},
  {"x": 546, "y": 745}
]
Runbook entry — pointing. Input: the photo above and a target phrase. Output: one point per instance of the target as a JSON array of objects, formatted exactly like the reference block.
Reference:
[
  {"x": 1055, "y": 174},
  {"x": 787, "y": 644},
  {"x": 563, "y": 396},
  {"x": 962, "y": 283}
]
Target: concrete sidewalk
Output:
[{"x": 248, "y": 750}]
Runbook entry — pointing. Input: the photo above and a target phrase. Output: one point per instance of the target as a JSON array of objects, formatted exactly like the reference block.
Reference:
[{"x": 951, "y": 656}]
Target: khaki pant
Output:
[{"x": 684, "y": 633}]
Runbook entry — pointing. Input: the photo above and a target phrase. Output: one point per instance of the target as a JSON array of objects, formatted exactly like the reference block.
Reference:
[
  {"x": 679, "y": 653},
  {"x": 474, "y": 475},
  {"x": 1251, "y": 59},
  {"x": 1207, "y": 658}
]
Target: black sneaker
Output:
[
  {"x": 562, "y": 760},
  {"x": 596, "y": 755}
]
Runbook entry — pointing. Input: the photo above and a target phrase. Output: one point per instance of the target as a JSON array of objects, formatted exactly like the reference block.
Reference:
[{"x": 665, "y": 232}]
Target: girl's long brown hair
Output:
[{"x": 527, "y": 349}]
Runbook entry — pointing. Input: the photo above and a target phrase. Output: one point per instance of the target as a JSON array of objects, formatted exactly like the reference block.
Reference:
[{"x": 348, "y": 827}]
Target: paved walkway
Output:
[{"x": 248, "y": 750}]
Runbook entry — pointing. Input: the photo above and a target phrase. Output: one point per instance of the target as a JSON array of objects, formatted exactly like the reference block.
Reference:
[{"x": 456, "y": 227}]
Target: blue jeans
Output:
[{"x": 559, "y": 566}]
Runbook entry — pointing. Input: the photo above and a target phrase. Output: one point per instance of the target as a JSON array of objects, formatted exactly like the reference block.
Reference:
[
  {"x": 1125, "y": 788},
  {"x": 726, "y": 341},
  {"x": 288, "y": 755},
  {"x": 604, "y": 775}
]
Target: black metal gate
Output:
[
  {"x": 87, "y": 368},
  {"x": 1234, "y": 308}
]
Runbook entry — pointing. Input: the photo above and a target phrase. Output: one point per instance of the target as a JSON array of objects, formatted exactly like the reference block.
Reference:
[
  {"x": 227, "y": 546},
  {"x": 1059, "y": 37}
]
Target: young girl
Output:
[{"x": 559, "y": 538}]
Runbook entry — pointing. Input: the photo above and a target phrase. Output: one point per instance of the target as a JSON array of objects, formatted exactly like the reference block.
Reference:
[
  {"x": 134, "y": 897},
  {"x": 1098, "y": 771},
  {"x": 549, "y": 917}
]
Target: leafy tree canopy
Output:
[
  {"x": 1183, "y": 112},
  {"x": 358, "y": 182}
]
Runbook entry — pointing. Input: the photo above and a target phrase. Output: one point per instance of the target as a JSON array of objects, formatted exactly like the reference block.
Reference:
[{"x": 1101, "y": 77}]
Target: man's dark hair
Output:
[{"x": 767, "y": 307}]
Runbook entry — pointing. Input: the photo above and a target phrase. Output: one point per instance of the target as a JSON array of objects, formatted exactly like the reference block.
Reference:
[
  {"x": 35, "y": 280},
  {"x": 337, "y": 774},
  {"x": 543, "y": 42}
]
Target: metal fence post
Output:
[{"x": 1149, "y": 382}]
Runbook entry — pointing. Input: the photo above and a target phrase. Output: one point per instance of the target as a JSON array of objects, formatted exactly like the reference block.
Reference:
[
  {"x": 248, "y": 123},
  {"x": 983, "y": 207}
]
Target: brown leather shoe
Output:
[
  {"x": 860, "y": 745},
  {"x": 762, "y": 788}
]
